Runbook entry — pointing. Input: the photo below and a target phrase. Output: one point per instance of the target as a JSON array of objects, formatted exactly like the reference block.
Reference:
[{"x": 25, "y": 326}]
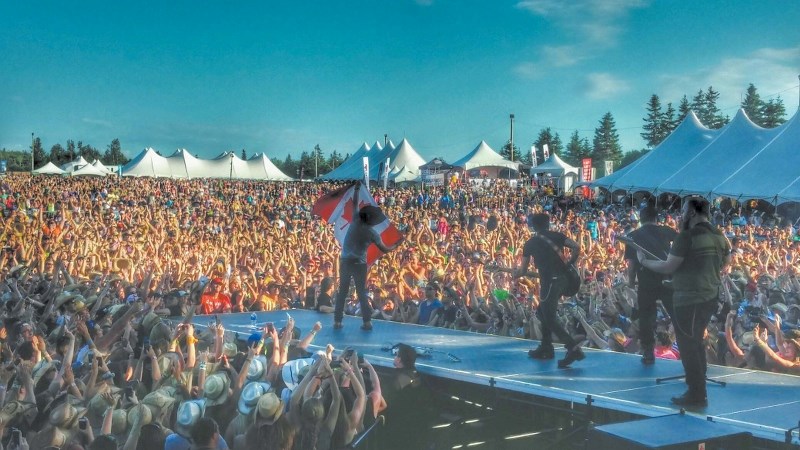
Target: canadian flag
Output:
[{"x": 336, "y": 208}]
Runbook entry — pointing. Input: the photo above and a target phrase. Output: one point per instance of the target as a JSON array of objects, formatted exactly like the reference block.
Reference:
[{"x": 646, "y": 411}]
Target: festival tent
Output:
[
  {"x": 557, "y": 168},
  {"x": 771, "y": 172},
  {"x": 148, "y": 163},
  {"x": 182, "y": 164},
  {"x": 49, "y": 169},
  {"x": 483, "y": 157},
  {"x": 74, "y": 165},
  {"x": 89, "y": 170},
  {"x": 403, "y": 157},
  {"x": 649, "y": 171},
  {"x": 97, "y": 163},
  {"x": 735, "y": 144},
  {"x": 262, "y": 168},
  {"x": 345, "y": 171}
]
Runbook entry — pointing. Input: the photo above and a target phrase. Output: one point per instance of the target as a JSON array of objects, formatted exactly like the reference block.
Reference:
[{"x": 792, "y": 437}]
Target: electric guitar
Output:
[
  {"x": 628, "y": 241},
  {"x": 495, "y": 268}
]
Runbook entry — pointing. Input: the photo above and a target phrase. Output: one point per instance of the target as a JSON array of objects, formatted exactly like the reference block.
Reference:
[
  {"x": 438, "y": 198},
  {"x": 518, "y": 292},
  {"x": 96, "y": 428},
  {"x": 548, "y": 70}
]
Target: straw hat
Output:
[
  {"x": 119, "y": 421},
  {"x": 257, "y": 367},
  {"x": 97, "y": 405},
  {"x": 65, "y": 415},
  {"x": 140, "y": 413},
  {"x": 229, "y": 349},
  {"x": 50, "y": 436},
  {"x": 162, "y": 398},
  {"x": 251, "y": 393},
  {"x": 14, "y": 409},
  {"x": 215, "y": 388},
  {"x": 149, "y": 322},
  {"x": 189, "y": 412},
  {"x": 268, "y": 409}
]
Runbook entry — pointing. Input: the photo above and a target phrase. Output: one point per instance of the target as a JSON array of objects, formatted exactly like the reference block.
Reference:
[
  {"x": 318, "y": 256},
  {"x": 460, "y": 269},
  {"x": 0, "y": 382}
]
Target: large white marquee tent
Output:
[
  {"x": 554, "y": 166},
  {"x": 484, "y": 157},
  {"x": 183, "y": 164},
  {"x": 740, "y": 160}
]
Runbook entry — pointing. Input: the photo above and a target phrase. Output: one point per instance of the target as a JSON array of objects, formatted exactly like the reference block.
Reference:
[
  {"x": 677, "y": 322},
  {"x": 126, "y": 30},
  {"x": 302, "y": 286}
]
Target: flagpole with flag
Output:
[
  {"x": 366, "y": 170},
  {"x": 336, "y": 208}
]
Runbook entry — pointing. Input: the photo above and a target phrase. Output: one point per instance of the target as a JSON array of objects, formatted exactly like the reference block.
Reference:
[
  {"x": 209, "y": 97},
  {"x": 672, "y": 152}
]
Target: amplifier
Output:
[{"x": 673, "y": 432}]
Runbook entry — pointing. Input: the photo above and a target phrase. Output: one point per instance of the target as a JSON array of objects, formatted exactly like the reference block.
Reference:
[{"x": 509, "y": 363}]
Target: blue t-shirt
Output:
[
  {"x": 177, "y": 442},
  {"x": 426, "y": 309}
]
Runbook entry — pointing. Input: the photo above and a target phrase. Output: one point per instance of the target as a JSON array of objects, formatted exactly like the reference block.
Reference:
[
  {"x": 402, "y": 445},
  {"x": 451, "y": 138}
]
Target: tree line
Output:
[{"x": 20, "y": 161}]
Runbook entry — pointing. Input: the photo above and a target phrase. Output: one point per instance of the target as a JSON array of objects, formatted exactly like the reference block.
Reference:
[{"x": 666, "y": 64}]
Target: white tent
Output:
[
  {"x": 48, "y": 169},
  {"x": 483, "y": 157},
  {"x": 740, "y": 161},
  {"x": 404, "y": 157},
  {"x": 345, "y": 170},
  {"x": 89, "y": 170},
  {"x": 182, "y": 164},
  {"x": 557, "y": 168},
  {"x": 97, "y": 163},
  {"x": 74, "y": 165}
]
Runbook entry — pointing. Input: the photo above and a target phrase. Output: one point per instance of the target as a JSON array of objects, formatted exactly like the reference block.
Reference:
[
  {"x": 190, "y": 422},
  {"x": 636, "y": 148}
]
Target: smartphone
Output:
[
  {"x": 16, "y": 437},
  {"x": 270, "y": 327},
  {"x": 216, "y": 319},
  {"x": 83, "y": 422}
]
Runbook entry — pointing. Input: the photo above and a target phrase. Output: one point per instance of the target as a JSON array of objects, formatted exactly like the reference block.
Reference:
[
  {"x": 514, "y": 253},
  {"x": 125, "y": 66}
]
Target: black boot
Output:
[{"x": 542, "y": 352}]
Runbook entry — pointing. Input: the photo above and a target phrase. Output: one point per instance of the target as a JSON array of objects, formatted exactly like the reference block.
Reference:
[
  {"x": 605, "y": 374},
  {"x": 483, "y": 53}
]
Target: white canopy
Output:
[
  {"x": 183, "y": 164},
  {"x": 345, "y": 171},
  {"x": 97, "y": 163},
  {"x": 89, "y": 170},
  {"x": 740, "y": 161},
  {"x": 49, "y": 169},
  {"x": 484, "y": 156},
  {"x": 402, "y": 157},
  {"x": 557, "y": 168},
  {"x": 74, "y": 165}
]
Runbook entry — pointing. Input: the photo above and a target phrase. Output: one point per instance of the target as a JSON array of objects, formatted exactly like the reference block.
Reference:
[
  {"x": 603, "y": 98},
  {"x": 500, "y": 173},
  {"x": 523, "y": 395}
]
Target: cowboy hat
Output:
[
  {"x": 162, "y": 398},
  {"x": 257, "y": 367},
  {"x": 251, "y": 393},
  {"x": 119, "y": 421},
  {"x": 215, "y": 389},
  {"x": 140, "y": 413},
  {"x": 13, "y": 409},
  {"x": 65, "y": 415},
  {"x": 268, "y": 409},
  {"x": 189, "y": 412},
  {"x": 291, "y": 371}
]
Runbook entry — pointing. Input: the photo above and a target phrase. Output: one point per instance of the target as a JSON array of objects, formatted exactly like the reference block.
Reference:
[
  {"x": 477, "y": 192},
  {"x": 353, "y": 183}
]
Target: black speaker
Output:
[{"x": 674, "y": 432}]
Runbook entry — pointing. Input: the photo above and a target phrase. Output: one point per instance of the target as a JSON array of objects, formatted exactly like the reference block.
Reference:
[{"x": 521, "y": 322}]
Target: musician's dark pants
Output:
[
  {"x": 647, "y": 296},
  {"x": 547, "y": 312},
  {"x": 358, "y": 272},
  {"x": 690, "y": 325}
]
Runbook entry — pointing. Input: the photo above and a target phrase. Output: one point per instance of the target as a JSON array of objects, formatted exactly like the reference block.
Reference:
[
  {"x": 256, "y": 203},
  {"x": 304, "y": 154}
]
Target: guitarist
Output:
[
  {"x": 545, "y": 248},
  {"x": 657, "y": 240}
]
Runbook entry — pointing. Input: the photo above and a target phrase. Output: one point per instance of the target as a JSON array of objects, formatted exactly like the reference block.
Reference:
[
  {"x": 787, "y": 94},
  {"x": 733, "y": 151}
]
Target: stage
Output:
[{"x": 762, "y": 403}]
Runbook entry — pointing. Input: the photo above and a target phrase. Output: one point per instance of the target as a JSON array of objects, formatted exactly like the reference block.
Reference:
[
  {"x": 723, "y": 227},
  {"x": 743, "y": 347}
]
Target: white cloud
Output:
[
  {"x": 527, "y": 70},
  {"x": 601, "y": 85},
  {"x": 97, "y": 122},
  {"x": 773, "y": 71},
  {"x": 592, "y": 25}
]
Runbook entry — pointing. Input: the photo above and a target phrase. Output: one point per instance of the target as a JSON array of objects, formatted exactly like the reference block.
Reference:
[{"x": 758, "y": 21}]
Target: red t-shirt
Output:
[{"x": 215, "y": 303}]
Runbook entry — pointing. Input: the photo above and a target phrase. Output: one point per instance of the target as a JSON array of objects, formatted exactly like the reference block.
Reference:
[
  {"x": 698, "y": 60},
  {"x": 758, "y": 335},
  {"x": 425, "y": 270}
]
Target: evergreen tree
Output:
[
  {"x": 631, "y": 156},
  {"x": 290, "y": 167},
  {"x": 69, "y": 154},
  {"x": 753, "y": 105},
  {"x": 506, "y": 152},
  {"x": 574, "y": 151},
  {"x": 606, "y": 144},
  {"x": 774, "y": 113},
  {"x": 57, "y": 154},
  {"x": 714, "y": 117},
  {"x": 553, "y": 141},
  {"x": 37, "y": 152},
  {"x": 683, "y": 110},
  {"x": 669, "y": 123},
  {"x": 244, "y": 155},
  {"x": 700, "y": 108},
  {"x": 654, "y": 126},
  {"x": 114, "y": 155},
  {"x": 334, "y": 161}
]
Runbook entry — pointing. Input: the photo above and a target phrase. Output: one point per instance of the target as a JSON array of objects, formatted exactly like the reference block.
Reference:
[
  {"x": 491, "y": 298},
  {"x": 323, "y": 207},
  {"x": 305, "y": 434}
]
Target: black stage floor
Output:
[{"x": 762, "y": 403}]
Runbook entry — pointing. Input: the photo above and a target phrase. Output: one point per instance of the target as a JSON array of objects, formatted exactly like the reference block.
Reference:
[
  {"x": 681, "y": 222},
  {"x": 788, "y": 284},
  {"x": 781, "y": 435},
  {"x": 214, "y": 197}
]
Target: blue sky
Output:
[{"x": 281, "y": 76}]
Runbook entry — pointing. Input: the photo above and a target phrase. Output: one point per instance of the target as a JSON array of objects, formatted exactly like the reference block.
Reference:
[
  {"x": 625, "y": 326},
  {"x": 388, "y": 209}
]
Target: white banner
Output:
[
  {"x": 533, "y": 156},
  {"x": 386, "y": 174},
  {"x": 545, "y": 153},
  {"x": 366, "y": 171},
  {"x": 609, "y": 167}
]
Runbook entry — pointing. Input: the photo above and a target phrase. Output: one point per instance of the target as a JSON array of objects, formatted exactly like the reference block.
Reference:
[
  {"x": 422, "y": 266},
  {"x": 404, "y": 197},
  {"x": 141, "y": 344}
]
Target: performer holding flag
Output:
[{"x": 357, "y": 232}]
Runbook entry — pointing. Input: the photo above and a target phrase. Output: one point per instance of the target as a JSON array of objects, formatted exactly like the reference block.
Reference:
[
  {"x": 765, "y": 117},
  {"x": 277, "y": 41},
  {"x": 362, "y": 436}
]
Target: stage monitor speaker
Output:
[{"x": 674, "y": 432}]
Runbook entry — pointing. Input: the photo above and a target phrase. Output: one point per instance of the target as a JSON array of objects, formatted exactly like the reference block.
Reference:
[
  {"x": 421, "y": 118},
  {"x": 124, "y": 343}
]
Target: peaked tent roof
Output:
[
  {"x": 735, "y": 144},
  {"x": 262, "y": 168},
  {"x": 89, "y": 170},
  {"x": 49, "y": 169},
  {"x": 148, "y": 163},
  {"x": 555, "y": 166},
  {"x": 402, "y": 157},
  {"x": 769, "y": 172},
  {"x": 99, "y": 164},
  {"x": 484, "y": 156},
  {"x": 75, "y": 164},
  {"x": 688, "y": 139},
  {"x": 343, "y": 172}
]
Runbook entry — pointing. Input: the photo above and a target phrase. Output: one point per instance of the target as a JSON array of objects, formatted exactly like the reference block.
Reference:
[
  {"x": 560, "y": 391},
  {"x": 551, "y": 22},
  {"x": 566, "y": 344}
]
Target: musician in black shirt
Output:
[
  {"x": 545, "y": 248},
  {"x": 656, "y": 239}
]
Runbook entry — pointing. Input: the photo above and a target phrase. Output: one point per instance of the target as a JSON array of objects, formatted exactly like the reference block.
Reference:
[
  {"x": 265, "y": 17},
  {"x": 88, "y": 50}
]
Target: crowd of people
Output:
[{"x": 91, "y": 269}]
